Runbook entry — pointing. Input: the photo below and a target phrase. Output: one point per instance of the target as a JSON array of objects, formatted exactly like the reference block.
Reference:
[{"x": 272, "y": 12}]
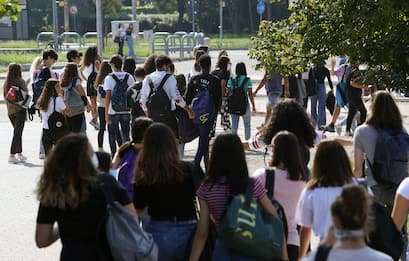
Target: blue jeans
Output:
[
  {"x": 203, "y": 148},
  {"x": 320, "y": 97},
  {"x": 222, "y": 254},
  {"x": 273, "y": 98},
  {"x": 118, "y": 119},
  {"x": 247, "y": 122},
  {"x": 129, "y": 41},
  {"x": 172, "y": 238}
]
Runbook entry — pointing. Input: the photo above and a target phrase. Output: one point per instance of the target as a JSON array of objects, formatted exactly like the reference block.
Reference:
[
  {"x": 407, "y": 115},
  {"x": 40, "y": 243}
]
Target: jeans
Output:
[
  {"x": 320, "y": 97},
  {"x": 121, "y": 47},
  {"x": 172, "y": 238},
  {"x": 247, "y": 122},
  {"x": 75, "y": 122},
  {"x": 124, "y": 120},
  {"x": 203, "y": 148},
  {"x": 355, "y": 104},
  {"x": 222, "y": 254},
  {"x": 273, "y": 98},
  {"x": 129, "y": 41},
  {"x": 18, "y": 120}
]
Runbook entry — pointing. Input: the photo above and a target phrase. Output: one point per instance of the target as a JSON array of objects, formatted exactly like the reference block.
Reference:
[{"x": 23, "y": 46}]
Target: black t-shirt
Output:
[
  {"x": 165, "y": 201},
  {"x": 133, "y": 96},
  {"x": 223, "y": 75},
  {"x": 350, "y": 75},
  {"x": 78, "y": 227},
  {"x": 209, "y": 81}
]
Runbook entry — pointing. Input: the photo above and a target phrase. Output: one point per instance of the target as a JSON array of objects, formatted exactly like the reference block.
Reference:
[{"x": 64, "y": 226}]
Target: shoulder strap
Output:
[
  {"x": 126, "y": 77},
  {"x": 270, "y": 181},
  {"x": 249, "y": 192},
  {"x": 165, "y": 78},
  {"x": 322, "y": 253},
  {"x": 343, "y": 75},
  {"x": 55, "y": 99},
  {"x": 114, "y": 77},
  {"x": 244, "y": 82}
]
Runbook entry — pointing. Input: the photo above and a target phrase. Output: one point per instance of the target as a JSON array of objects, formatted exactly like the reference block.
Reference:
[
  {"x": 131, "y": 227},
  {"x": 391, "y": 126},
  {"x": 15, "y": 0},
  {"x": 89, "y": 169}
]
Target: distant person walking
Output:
[
  {"x": 130, "y": 40},
  {"x": 119, "y": 38}
]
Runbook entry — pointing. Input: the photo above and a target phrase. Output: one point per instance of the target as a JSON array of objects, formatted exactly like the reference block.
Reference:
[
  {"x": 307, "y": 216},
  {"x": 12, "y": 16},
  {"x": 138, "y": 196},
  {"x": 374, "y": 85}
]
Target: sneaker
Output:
[
  {"x": 13, "y": 160},
  {"x": 94, "y": 123},
  {"x": 21, "y": 157},
  {"x": 330, "y": 127},
  {"x": 348, "y": 134},
  {"x": 41, "y": 156}
]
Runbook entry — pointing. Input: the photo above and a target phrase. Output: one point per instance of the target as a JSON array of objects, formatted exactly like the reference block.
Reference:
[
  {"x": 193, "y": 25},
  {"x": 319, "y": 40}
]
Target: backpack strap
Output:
[
  {"x": 114, "y": 77},
  {"x": 243, "y": 82},
  {"x": 249, "y": 192},
  {"x": 322, "y": 253},
  {"x": 270, "y": 181},
  {"x": 55, "y": 99},
  {"x": 152, "y": 86}
]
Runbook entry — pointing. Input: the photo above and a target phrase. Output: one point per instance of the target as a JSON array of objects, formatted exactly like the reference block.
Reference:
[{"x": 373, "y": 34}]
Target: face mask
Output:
[
  {"x": 94, "y": 160},
  {"x": 342, "y": 234}
]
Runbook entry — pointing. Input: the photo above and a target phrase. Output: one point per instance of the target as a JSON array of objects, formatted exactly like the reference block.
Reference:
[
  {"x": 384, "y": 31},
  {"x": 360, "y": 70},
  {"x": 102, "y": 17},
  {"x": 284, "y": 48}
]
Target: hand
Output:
[
  {"x": 330, "y": 238},
  {"x": 88, "y": 108},
  {"x": 254, "y": 93},
  {"x": 191, "y": 114},
  {"x": 254, "y": 109},
  {"x": 108, "y": 119}
]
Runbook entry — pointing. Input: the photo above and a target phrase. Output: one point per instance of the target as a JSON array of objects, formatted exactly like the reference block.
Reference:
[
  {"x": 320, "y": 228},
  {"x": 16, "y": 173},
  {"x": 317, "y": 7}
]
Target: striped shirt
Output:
[{"x": 216, "y": 196}]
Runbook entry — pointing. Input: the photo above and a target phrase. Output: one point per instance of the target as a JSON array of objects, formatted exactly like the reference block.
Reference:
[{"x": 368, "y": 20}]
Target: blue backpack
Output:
[
  {"x": 390, "y": 163},
  {"x": 126, "y": 170},
  {"x": 118, "y": 97},
  {"x": 203, "y": 106},
  {"x": 39, "y": 83}
]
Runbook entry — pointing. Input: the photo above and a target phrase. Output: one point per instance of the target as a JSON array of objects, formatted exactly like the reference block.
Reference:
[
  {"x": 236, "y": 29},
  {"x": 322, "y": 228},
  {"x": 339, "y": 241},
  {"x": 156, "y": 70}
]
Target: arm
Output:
[
  {"x": 261, "y": 84},
  {"x": 286, "y": 87},
  {"x": 201, "y": 234},
  {"x": 83, "y": 97},
  {"x": 358, "y": 160},
  {"x": 400, "y": 211},
  {"x": 107, "y": 102},
  {"x": 357, "y": 85},
  {"x": 82, "y": 69},
  {"x": 253, "y": 105},
  {"x": 223, "y": 85},
  {"x": 46, "y": 234},
  {"x": 305, "y": 236}
]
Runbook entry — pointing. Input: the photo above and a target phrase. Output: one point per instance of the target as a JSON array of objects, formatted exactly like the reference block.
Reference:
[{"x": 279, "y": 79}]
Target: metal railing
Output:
[
  {"x": 89, "y": 35},
  {"x": 70, "y": 40}
]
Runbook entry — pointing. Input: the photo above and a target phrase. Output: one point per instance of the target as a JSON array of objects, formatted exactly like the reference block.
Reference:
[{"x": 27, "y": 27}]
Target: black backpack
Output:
[
  {"x": 57, "y": 124},
  {"x": 158, "y": 104},
  {"x": 91, "y": 81},
  {"x": 39, "y": 83},
  {"x": 134, "y": 96},
  {"x": 118, "y": 97},
  {"x": 269, "y": 186},
  {"x": 237, "y": 101}
]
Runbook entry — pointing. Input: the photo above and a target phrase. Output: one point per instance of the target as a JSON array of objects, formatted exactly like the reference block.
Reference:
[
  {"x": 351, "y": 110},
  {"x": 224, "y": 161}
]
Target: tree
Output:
[
  {"x": 372, "y": 33},
  {"x": 10, "y": 8}
]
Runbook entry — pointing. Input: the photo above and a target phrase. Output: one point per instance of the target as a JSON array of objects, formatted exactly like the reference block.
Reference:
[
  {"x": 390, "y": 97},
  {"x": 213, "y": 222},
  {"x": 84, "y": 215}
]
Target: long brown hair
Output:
[
  {"x": 70, "y": 74},
  {"x": 104, "y": 70},
  {"x": 331, "y": 166},
  {"x": 47, "y": 93},
  {"x": 158, "y": 161},
  {"x": 385, "y": 114},
  {"x": 68, "y": 173},
  {"x": 91, "y": 54},
  {"x": 13, "y": 77}
]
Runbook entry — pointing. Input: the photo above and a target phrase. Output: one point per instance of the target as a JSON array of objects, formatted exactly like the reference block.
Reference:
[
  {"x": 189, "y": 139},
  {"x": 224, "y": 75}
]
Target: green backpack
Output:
[{"x": 247, "y": 229}]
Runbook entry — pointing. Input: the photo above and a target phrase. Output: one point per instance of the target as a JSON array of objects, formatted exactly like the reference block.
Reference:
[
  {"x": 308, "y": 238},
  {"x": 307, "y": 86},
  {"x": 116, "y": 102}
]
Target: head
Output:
[
  {"x": 149, "y": 65},
  {"x": 331, "y": 166},
  {"x": 51, "y": 89},
  {"x": 241, "y": 69},
  {"x": 228, "y": 159},
  {"x": 162, "y": 62},
  {"x": 351, "y": 209},
  {"x": 205, "y": 63},
  {"x": 13, "y": 74},
  {"x": 49, "y": 57},
  {"x": 68, "y": 173},
  {"x": 70, "y": 74},
  {"x": 73, "y": 56},
  {"x": 385, "y": 114},
  {"x": 286, "y": 153},
  {"x": 129, "y": 65},
  {"x": 223, "y": 63},
  {"x": 120, "y": 25},
  {"x": 300, "y": 124},
  {"x": 116, "y": 63},
  {"x": 139, "y": 127},
  {"x": 91, "y": 54},
  {"x": 222, "y": 53},
  {"x": 139, "y": 74},
  {"x": 158, "y": 162},
  {"x": 130, "y": 26},
  {"x": 104, "y": 161},
  {"x": 104, "y": 70},
  {"x": 171, "y": 68}
]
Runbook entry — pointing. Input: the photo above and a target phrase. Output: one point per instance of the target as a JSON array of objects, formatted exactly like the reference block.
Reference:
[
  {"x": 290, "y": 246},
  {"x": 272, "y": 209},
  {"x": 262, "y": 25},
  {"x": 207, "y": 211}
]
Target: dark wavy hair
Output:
[
  {"x": 139, "y": 127},
  {"x": 129, "y": 66},
  {"x": 47, "y": 93},
  {"x": 289, "y": 115},
  {"x": 91, "y": 54},
  {"x": 149, "y": 65},
  {"x": 385, "y": 114},
  {"x": 228, "y": 160},
  {"x": 68, "y": 173},
  {"x": 223, "y": 62},
  {"x": 70, "y": 74},
  {"x": 104, "y": 70},
  {"x": 158, "y": 162}
]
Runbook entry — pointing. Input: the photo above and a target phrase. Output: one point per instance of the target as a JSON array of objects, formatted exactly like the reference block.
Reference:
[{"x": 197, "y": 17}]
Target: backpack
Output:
[
  {"x": 134, "y": 97},
  {"x": 118, "y": 97},
  {"x": 57, "y": 124},
  {"x": 158, "y": 104},
  {"x": 248, "y": 230},
  {"x": 269, "y": 186},
  {"x": 390, "y": 163},
  {"x": 39, "y": 83},
  {"x": 237, "y": 101},
  {"x": 91, "y": 81},
  {"x": 126, "y": 239},
  {"x": 19, "y": 97},
  {"x": 330, "y": 102},
  {"x": 73, "y": 100},
  {"x": 340, "y": 92},
  {"x": 312, "y": 85},
  {"x": 187, "y": 130},
  {"x": 127, "y": 168},
  {"x": 203, "y": 105}
]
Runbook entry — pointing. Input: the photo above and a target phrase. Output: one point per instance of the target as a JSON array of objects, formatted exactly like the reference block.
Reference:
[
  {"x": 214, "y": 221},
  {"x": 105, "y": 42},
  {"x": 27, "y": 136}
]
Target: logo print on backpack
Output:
[
  {"x": 118, "y": 98},
  {"x": 202, "y": 104}
]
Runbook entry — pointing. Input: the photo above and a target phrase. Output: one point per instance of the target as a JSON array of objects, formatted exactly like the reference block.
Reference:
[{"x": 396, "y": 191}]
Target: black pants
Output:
[
  {"x": 47, "y": 140},
  {"x": 292, "y": 251},
  {"x": 102, "y": 126},
  {"x": 355, "y": 104},
  {"x": 17, "y": 120},
  {"x": 75, "y": 122}
]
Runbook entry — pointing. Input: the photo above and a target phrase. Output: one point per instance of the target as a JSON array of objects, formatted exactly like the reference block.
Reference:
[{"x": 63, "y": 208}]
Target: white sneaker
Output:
[
  {"x": 21, "y": 157},
  {"x": 41, "y": 156},
  {"x": 13, "y": 160}
]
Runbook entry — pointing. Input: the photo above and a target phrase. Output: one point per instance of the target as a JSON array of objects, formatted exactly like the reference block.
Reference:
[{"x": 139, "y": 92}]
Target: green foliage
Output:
[
  {"x": 162, "y": 22},
  {"x": 10, "y": 8},
  {"x": 165, "y": 6},
  {"x": 372, "y": 33}
]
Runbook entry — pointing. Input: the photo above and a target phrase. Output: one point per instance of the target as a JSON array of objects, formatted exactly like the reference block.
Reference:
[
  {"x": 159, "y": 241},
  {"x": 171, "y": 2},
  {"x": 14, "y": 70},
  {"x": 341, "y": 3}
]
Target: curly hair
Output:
[{"x": 289, "y": 115}]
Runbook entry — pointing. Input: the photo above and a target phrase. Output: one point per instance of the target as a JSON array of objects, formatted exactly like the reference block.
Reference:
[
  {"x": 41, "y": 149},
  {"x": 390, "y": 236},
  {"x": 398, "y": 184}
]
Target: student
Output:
[
  {"x": 129, "y": 38},
  {"x": 241, "y": 76},
  {"x": 120, "y": 38},
  {"x": 164, "y": 185},
  {"x": 200, "y": 82},
  {"x": 129, "y": 66},
  {"x": 351, "y": 216},
  {"x": 74, "y": 97},
  {"x": 121, "y": 117},
  {"x": 223, "y": 72},
  {"x": 73, "y": 199},
  {"x": 149, "y": 64},
  {"x": 331, "y": 171},
  {"x": 288, "y": 182},
  {"x": 318, "y": 100},
  {"x": 16, "y": 113},
  {"x": 227, "y": 175},
  {"x": 73, "y": 56},
  {"x": 133, "y": 94},
  {"x": 50, "y": 98}
]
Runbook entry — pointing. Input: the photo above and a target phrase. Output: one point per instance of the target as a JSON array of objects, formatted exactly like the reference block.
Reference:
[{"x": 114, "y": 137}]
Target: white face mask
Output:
[
  {"x": 342, "y": 234},
  {"x": 94, "y": 160}
]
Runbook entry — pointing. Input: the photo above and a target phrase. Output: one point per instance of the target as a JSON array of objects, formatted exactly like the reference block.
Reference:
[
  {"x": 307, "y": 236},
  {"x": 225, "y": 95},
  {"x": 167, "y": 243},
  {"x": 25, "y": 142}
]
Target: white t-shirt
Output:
[
  {"x": 109, "y": 84},
  {"x": 287, "y": 193},
  {"x": 59, "y": 106},
  {"x": 314, "y": 208},
  {"x": 361, "y": 254},
  {"x": 403, "y": 189}
]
